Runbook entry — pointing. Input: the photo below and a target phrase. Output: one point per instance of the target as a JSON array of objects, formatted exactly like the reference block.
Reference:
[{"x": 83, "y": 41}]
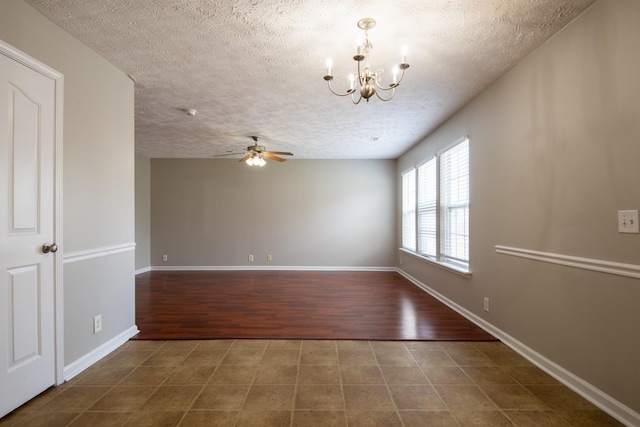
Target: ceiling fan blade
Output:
[
  {"x": 270, "y": 155},
  {"x": 244, "y": 159},
  {"x": 281, "y": 153},
  {"x": 228, "y": 154}
]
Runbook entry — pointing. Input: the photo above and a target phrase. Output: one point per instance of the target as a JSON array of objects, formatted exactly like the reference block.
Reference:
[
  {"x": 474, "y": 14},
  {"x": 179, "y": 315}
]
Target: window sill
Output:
[{"x": 444, "y": 265}]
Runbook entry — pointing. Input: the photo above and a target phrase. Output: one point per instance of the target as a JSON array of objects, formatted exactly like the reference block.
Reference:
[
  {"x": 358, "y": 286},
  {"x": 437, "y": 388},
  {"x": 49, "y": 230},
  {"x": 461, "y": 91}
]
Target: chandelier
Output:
[{"x": 367, "y": 82}]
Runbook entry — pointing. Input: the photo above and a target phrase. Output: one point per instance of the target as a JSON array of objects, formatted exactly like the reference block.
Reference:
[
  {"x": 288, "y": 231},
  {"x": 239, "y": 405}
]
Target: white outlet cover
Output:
[
  {"x": 628, "y": 221},
  {"x": 97, "y": 323}
]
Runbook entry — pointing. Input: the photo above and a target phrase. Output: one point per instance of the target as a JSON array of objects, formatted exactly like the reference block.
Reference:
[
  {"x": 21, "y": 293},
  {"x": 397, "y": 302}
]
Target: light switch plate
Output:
[{"x": 628, "y": 221}]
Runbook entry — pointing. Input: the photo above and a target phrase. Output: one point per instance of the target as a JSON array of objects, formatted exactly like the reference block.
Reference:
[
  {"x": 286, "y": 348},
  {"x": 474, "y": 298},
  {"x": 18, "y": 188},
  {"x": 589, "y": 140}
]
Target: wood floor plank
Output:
[{"x": 293, "y": 305}]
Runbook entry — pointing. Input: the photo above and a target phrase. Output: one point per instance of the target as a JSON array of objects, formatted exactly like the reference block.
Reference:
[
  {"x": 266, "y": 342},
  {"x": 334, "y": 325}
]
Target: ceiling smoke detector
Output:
[{"x": 190, "y": 112}]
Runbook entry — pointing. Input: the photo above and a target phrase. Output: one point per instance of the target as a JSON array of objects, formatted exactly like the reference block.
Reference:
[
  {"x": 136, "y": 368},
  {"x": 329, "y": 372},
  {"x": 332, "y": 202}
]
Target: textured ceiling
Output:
[{"x": 253, "y": 67}]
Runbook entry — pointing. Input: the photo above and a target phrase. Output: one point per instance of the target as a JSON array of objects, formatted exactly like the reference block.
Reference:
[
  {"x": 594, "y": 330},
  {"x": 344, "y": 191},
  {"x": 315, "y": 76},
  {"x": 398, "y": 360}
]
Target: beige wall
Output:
[
  {"x": 555, "y": 146},
  {"x": 143, "y": 213},
  {"x": 305, "y": 213},
  {"x": 98, "y": 179}
]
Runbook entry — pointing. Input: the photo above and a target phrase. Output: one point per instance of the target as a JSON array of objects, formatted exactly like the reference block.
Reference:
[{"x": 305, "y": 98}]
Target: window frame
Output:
[{"x": 442, "y": 257}]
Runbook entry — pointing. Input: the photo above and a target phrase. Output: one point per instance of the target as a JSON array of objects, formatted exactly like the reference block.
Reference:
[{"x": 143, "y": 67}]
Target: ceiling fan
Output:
[{"x": 256, "y": 154}]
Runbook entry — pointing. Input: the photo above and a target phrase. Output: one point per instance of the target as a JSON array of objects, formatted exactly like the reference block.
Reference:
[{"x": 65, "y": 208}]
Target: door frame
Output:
[{"x": 58, "y": 79}]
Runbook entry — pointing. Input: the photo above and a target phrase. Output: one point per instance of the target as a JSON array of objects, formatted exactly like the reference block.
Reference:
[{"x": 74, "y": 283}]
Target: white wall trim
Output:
[
  {"x": 142, "y": 270},
  {"x": 98, "y": 252},
  {"x": 76, "y": 367},
  {"x": 608, "y": 404},
  {"x": 265, "y": 267},
  {"x": 617, "y": 268}
]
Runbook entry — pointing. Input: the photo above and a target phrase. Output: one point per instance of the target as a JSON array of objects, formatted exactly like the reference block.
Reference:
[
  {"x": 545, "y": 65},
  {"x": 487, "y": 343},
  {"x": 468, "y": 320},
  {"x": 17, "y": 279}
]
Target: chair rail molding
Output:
[
  {"x": 97, "y": 252},
  {"x": 610, "y": 267}
]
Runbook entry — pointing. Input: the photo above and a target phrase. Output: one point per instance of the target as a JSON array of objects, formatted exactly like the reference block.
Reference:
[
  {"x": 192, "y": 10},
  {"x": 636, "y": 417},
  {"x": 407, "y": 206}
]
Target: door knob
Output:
[{"x": 49, "y": 248}]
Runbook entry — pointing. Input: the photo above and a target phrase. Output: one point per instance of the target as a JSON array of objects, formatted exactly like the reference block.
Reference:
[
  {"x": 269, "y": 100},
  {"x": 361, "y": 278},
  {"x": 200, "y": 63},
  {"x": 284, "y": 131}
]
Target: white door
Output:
[{"x": 27, "y": 180}]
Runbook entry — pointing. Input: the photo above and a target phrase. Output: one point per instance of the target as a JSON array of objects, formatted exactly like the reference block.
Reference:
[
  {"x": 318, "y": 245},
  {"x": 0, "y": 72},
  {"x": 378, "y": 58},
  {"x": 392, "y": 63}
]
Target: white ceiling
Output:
[{"x": 253, "y": 67}]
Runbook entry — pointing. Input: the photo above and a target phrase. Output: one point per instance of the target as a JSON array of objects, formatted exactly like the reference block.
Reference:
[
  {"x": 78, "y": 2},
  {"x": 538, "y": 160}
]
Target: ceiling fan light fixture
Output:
[
  {"x": 256, "y": 160},
  {"x": 257, "y": 155},
  {"x": 367, "y": 83}
]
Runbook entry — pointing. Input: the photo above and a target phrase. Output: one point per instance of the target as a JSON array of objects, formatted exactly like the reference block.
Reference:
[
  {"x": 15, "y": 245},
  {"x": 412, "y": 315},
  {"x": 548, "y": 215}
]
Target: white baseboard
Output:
[
  {"x": 265, "y": 268},
  {"x": 98, "y": 353},
  {"x": 142, "y": 270},
  {"x": 608, "y": 404}
]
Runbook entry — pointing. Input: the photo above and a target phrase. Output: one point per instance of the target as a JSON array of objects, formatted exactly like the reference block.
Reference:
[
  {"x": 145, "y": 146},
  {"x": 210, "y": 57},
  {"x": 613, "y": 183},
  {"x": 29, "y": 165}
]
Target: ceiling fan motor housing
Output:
[{"x": 256, "y": 148}]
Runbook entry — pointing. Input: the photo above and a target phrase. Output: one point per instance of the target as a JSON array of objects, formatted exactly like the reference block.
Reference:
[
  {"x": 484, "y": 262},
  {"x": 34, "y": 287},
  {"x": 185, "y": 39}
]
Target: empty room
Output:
[{"x": 331, "y": 213}]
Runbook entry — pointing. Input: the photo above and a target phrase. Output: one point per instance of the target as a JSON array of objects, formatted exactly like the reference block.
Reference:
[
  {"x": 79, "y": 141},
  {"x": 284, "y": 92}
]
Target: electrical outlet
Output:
[
  {"x": 97, "y": 324},
  {"x": 251, "y": 258},
  {"x": 486, "y": 304},
  {"x": 269, "y": 258},
  {"x": 628, "y": 222},
  {"x": 164, "y": 257}
]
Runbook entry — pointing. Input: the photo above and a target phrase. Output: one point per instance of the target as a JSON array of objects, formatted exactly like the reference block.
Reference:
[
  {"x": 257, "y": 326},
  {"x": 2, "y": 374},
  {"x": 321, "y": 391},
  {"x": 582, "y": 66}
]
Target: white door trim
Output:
[{"x": 58, "y": 79}]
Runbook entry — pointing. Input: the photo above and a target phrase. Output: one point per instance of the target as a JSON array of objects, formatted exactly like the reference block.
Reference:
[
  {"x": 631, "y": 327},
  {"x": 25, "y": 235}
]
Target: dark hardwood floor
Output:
[{"x": 293, "y": 305}]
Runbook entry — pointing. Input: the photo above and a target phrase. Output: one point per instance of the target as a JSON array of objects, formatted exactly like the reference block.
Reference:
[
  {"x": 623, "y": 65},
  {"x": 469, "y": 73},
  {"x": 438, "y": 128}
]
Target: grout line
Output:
[
  {"x": 386, "y": 384},
  {"x": 295, "y": 386},
  {"x": 201, "y": 388},
  {"x": 251, "y": 383}
]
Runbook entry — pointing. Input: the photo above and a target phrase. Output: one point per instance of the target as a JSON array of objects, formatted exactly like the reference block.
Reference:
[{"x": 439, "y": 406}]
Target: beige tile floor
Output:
[{"x": 310, "y": 383}]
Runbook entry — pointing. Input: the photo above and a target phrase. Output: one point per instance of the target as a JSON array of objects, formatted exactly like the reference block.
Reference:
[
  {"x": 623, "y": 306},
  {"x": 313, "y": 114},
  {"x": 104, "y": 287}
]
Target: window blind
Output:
[
  {"x": 427, "y": 208},
  {"x": 454, "y": 199}
]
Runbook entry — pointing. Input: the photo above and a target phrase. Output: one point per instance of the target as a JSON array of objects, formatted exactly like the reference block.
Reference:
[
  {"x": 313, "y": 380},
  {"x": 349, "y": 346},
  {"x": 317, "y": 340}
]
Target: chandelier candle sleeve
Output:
[{"x": 368, "y": 82}]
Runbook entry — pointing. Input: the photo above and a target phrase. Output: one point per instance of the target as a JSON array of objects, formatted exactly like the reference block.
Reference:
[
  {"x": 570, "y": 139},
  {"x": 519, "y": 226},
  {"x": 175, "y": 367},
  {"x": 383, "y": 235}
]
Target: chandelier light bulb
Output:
[{"x": 329, "y": 64}]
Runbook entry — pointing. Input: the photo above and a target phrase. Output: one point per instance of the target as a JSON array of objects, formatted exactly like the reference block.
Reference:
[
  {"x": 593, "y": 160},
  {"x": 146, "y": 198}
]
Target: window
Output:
[
  {"x": 428, "y": 209},
  {"x": 435, "y": 208},
  {"x": 409, "y": 210}
]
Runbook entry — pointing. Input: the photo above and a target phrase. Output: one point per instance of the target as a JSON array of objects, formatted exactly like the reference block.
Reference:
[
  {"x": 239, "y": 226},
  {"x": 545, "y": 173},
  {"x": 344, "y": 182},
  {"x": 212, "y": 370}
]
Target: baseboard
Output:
[
  {"x": 98, "y": 353},
  {"x": 608, "y": 404},
  {"x": 266, "y": 268},
  {"x": 142, "y": 270}
]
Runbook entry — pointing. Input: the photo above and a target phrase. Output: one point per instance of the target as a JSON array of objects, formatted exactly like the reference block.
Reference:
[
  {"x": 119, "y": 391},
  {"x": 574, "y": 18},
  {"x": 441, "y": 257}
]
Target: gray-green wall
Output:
[
  {"x": 555, "y": 151},
  {"x": 98, "y": 179},
  {"x": 305, "y": 213},
  {"x": 143, "y": 213}
]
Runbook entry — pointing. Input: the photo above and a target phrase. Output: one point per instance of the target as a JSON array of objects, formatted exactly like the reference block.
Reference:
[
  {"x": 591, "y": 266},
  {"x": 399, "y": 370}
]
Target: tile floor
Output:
[{"x": 310, "y": 383}]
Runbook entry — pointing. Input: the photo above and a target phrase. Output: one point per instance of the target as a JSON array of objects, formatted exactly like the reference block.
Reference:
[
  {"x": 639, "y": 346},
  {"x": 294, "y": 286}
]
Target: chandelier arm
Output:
[
  {"x": 393, "y": 92},
  {"x": 377, "y": 77},
  {"x": 349, "y": 92},
  {"x": 354, "y": 100},
  {"x": 392, "y": 85},
  {"x": 401, "y": 76}
]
